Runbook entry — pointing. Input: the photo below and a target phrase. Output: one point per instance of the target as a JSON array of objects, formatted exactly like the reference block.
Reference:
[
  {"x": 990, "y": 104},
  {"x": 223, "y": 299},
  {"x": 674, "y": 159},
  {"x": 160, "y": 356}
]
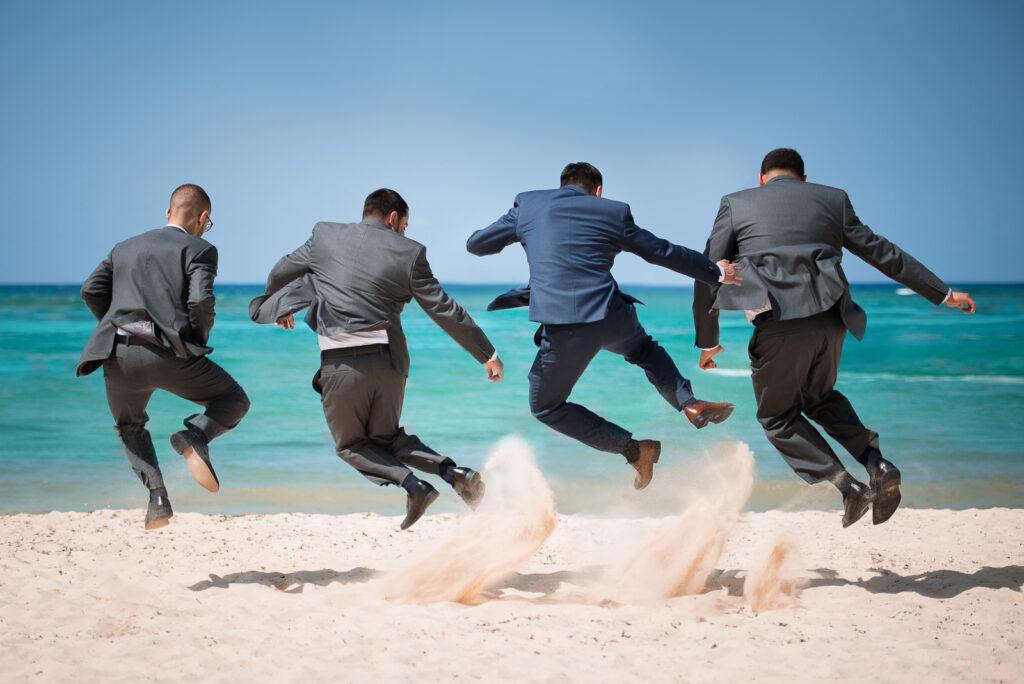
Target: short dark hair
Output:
[
  {"x": 381, "y": 203},
  {"x": 191, "y": 196},
  {"x": 783, "y": 159},
  {"x": 582, "y": 174}
]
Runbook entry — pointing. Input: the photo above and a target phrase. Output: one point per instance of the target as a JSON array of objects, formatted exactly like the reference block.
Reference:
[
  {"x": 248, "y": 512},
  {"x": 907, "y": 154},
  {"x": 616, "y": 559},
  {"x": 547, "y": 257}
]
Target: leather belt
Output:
[{"x": 343, "y": 352}]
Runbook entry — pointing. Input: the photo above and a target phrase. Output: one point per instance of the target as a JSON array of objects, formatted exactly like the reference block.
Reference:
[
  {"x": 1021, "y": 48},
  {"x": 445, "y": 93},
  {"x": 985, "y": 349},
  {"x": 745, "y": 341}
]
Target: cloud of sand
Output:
[
  {"x": 516, "y": 516},
  {"x": 775, "y": 580},
  {"x": 678, "y": 558}
]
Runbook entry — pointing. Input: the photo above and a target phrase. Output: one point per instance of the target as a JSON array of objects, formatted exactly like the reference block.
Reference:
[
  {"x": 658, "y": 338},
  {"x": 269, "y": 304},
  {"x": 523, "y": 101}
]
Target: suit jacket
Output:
[
  {"x": 571, "y": 239},
  {"x": 164, "y": 277},
  {"x": 358, "y": 277},
  {"x": 789, "y": 236}
]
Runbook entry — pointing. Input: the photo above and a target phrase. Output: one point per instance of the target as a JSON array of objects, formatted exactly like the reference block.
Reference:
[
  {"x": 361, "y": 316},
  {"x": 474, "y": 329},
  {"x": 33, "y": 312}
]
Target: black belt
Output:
[
  {"x": 131, "y": 340},
  {"x": 763, "y": 317},
  {"x": 342, "y": 352}
]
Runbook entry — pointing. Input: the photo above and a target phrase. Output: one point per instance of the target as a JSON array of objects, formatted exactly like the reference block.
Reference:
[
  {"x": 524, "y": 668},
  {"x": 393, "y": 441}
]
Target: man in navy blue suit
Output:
[{"x": 571, "y": 237}]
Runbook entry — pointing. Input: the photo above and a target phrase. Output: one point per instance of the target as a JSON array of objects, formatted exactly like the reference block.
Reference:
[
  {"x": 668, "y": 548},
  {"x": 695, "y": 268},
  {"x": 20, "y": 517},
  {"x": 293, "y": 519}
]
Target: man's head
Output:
[
  {"x": 782, "y": 162},
  {"x": 388, "y": 207},
  {"x": 190, "y": 209},
  {"x": 584, "y": 175}
]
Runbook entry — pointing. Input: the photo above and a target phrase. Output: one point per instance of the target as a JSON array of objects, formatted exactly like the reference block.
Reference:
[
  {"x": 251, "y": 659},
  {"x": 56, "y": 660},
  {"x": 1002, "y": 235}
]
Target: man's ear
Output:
[
  {"x": 760, "y": 179},
  {"x": 168, "y": 213},
  {"x": 392, "y": 220},
  {"x": 597, "y": 192},
  {"x": 803, "y": 178}
]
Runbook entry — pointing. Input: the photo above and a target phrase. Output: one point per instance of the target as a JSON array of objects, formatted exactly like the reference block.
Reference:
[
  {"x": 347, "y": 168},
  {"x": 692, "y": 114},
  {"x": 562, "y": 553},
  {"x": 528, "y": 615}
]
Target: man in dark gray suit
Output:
[
  {"x": 153, "y": 296},
  {"x": 357, "y": 278},
  {"x": 789, "y": 236}
]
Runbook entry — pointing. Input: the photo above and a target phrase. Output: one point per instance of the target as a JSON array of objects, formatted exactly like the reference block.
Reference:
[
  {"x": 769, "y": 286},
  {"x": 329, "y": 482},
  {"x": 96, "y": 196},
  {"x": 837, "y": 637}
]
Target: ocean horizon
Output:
[{"x": 945, "y": 392}]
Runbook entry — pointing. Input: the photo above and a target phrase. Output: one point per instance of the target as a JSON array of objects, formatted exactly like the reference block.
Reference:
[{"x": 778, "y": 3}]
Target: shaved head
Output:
[{"x": 188, "y": 201}]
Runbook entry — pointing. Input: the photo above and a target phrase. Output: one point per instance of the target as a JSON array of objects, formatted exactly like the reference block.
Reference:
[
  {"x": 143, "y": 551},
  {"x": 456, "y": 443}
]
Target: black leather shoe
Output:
[
  {"x": 469, "y": 485},
  {"x": 192, "y": 445},
  {"x": 885, "y": 483},
  {"x": 701, "y": 412},
  {"x": 159, "y": 512},
  {"x": 416, "y": 505},
  {"x": 856, "y": 501}
]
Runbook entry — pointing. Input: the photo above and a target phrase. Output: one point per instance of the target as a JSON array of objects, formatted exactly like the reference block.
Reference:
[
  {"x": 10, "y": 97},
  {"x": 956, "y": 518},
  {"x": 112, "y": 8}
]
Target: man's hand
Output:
[
  {"x": 286, "y": 322},
  {"x": 961, "y": 299},
  {"x": 495, "y": 370},
  {"x": 732, "y": 273},
  {"x": 706, "y": 362}
]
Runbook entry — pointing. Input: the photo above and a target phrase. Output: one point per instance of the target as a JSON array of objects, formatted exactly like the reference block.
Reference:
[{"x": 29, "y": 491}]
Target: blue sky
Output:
[{"x": 290, "y": 113}]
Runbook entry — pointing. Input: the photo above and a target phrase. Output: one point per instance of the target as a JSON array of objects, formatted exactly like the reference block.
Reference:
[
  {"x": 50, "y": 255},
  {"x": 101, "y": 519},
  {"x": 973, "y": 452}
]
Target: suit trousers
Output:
[
  {"x": 564, "y": 353},
  {"x": 793, "y": 366},
  {"x": 135, "y": 371},
  {"x": 362, "y": 396}
]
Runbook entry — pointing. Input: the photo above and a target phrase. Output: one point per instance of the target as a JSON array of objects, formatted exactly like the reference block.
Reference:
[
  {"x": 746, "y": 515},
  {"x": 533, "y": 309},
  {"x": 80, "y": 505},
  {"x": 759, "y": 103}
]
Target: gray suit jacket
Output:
[
  {"x": 163, "y": 276},
  {"x": 359, "y": 276},
  {"x": 789, "y": 236}
]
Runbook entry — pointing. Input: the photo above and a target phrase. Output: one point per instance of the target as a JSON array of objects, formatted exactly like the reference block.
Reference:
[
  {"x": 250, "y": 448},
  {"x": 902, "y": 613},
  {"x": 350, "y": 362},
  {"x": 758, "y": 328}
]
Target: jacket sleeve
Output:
[
  {"x": 497, "y": 236},
  {"x": 721, "y": 245},
  {"x": 446, "y": 312},
  {"x": 201, "y": 272},
  {"x": 655, "y": 250},
  {"x": 889, "y": 258},
  {"x": 98, "y": 288},
  {"x": 290, "y": 267}
]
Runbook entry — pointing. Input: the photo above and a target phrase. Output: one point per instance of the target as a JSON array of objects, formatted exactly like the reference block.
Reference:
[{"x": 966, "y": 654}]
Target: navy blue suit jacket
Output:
[{"x": 571, "y": 239}]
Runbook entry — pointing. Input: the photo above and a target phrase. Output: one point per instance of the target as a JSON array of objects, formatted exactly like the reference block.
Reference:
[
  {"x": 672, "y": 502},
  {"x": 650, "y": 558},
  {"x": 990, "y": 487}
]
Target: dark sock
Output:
[
  {"x": 410, "y": 483},
  {"x": 446, "y": 473},
  {"x": 632, "y": 452}
]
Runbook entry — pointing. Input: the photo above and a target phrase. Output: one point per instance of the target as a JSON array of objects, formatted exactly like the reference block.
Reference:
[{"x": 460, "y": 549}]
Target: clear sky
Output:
[{"x": 290, "y": 113}]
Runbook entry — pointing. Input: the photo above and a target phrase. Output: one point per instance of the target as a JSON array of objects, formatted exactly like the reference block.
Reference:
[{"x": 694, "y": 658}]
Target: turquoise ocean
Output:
[{"x": 944, "y": 390}]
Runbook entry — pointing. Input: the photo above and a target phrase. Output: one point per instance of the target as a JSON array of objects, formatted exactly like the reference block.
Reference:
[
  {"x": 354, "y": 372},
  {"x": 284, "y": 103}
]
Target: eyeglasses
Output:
[{"x": 209, "y": 225}]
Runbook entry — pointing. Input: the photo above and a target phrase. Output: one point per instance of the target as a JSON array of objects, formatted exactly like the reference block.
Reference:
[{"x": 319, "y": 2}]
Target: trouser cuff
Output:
[{"x": 209, "y": 427}]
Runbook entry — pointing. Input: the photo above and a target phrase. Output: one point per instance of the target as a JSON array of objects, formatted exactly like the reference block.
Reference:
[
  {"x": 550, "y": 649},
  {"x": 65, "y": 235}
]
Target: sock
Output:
[
  {"x": 411, "y": 483},
  {"x": 446, "y": 473},
  {"x": 632, "y": 452}
]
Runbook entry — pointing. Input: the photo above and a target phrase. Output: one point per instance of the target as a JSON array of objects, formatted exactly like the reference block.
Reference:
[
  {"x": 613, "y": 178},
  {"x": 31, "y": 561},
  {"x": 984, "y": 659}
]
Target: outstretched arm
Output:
[
  {"x": 290, "y": 267},
  {"x": 451, "y": 317},
  {"x": 495, "y": 237},
  {"x": 655, "y": 250}
]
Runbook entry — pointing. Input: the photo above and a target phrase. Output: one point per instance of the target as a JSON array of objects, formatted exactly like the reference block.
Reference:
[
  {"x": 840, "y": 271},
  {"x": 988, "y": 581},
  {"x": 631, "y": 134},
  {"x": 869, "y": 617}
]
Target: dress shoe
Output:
[
  {"x": 469, "y": 485},
  {"x": 648, "y": 451},
  {"x": 701, "y": 412},
  {"x": 416, "y": 504},
  {"x": 885, "y": 483},
  {"x": 856, "y": 501},
  {"x": 192, "y": 444},
  {"x": 159, "y": 512}
]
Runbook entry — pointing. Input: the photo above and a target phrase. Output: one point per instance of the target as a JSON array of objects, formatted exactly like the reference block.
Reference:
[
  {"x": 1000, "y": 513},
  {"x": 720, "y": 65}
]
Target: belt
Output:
[
  {"x": 131, "y": 340},
  {"x": 343, "y": 352},
  {"x": 763, "y": 317}
]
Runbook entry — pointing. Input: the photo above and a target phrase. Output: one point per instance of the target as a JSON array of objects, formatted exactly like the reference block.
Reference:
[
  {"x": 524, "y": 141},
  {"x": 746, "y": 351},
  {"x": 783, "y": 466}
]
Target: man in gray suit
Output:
[
  {"x": 357, "y": 278},
  {"x": 153, "y": 296},
  {"x": 789, "y": 236}
]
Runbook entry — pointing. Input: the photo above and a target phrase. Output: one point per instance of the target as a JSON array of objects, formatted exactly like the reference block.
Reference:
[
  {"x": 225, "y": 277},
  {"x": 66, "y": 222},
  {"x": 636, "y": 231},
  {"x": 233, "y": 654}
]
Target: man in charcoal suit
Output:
[
  {"x": 357, "y": 278},
  {"x": 789, "y": 235},
  {"x": 153, "y": 296},
  {"x": 571, "y": 236}
]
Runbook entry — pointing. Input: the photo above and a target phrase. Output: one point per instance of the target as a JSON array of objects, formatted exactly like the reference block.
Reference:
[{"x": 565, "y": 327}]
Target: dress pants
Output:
[
  {"x": 793, "y": 367},
  {"x": 362, "y": 396},
  {"x": 135, "y": 371},
  {"x": 564, "y": 353}
]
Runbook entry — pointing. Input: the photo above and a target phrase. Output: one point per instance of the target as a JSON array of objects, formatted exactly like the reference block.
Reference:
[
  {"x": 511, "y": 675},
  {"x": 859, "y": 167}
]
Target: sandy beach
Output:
[{"x": 516, "y": 592}]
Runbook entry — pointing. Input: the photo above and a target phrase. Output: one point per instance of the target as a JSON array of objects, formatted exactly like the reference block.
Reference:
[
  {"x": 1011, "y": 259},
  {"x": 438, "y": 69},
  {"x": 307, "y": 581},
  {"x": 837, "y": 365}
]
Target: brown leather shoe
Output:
[
  {"x": 649, "y": 451},
  {"x": 703, "y": 412}
]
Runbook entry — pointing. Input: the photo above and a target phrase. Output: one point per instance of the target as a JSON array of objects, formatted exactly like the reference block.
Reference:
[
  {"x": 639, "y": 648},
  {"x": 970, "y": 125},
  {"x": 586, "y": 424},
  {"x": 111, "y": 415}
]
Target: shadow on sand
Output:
[
  {"x": 290, "y": 582},
  {"x": 937, "y": 584}
]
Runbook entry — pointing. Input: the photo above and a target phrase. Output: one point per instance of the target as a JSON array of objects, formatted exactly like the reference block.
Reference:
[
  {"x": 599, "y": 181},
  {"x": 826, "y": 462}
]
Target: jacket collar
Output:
[
  {"x": 574, "y": 189},
  {"x": 785, "y": 177},
  {"x": 374, "y": 223}
]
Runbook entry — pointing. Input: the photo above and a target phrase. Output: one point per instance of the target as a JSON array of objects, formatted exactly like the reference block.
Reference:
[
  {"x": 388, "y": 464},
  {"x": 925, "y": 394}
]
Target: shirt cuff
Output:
[
  {"x": 709, "y": 348},
  {"x": 948, "y": 295},
  {"x": 721, "y": 273},
  {"x": 494, "y": 356}
]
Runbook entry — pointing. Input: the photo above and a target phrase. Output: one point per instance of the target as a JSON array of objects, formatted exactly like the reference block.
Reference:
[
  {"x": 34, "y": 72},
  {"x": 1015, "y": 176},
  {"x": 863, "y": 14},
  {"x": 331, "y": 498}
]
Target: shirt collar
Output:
[{"x": 175, "y": 225}]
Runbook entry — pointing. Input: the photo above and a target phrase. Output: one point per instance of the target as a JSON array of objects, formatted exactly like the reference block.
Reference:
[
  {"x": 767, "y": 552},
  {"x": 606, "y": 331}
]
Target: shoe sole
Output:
[
  {"x": 858, "y": 515},
  {"x": 473, "y": 492},
  {"x": 157, "y": 524},
  {"x": 713, "y": 416},
  {"x": 888, "y": 497},
  {"x": 200, "y": 471}
]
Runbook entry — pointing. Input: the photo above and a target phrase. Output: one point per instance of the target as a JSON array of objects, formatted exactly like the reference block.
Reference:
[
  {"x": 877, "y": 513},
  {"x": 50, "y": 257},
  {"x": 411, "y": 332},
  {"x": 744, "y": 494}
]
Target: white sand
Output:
[{"x": 932, "y": 595}]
